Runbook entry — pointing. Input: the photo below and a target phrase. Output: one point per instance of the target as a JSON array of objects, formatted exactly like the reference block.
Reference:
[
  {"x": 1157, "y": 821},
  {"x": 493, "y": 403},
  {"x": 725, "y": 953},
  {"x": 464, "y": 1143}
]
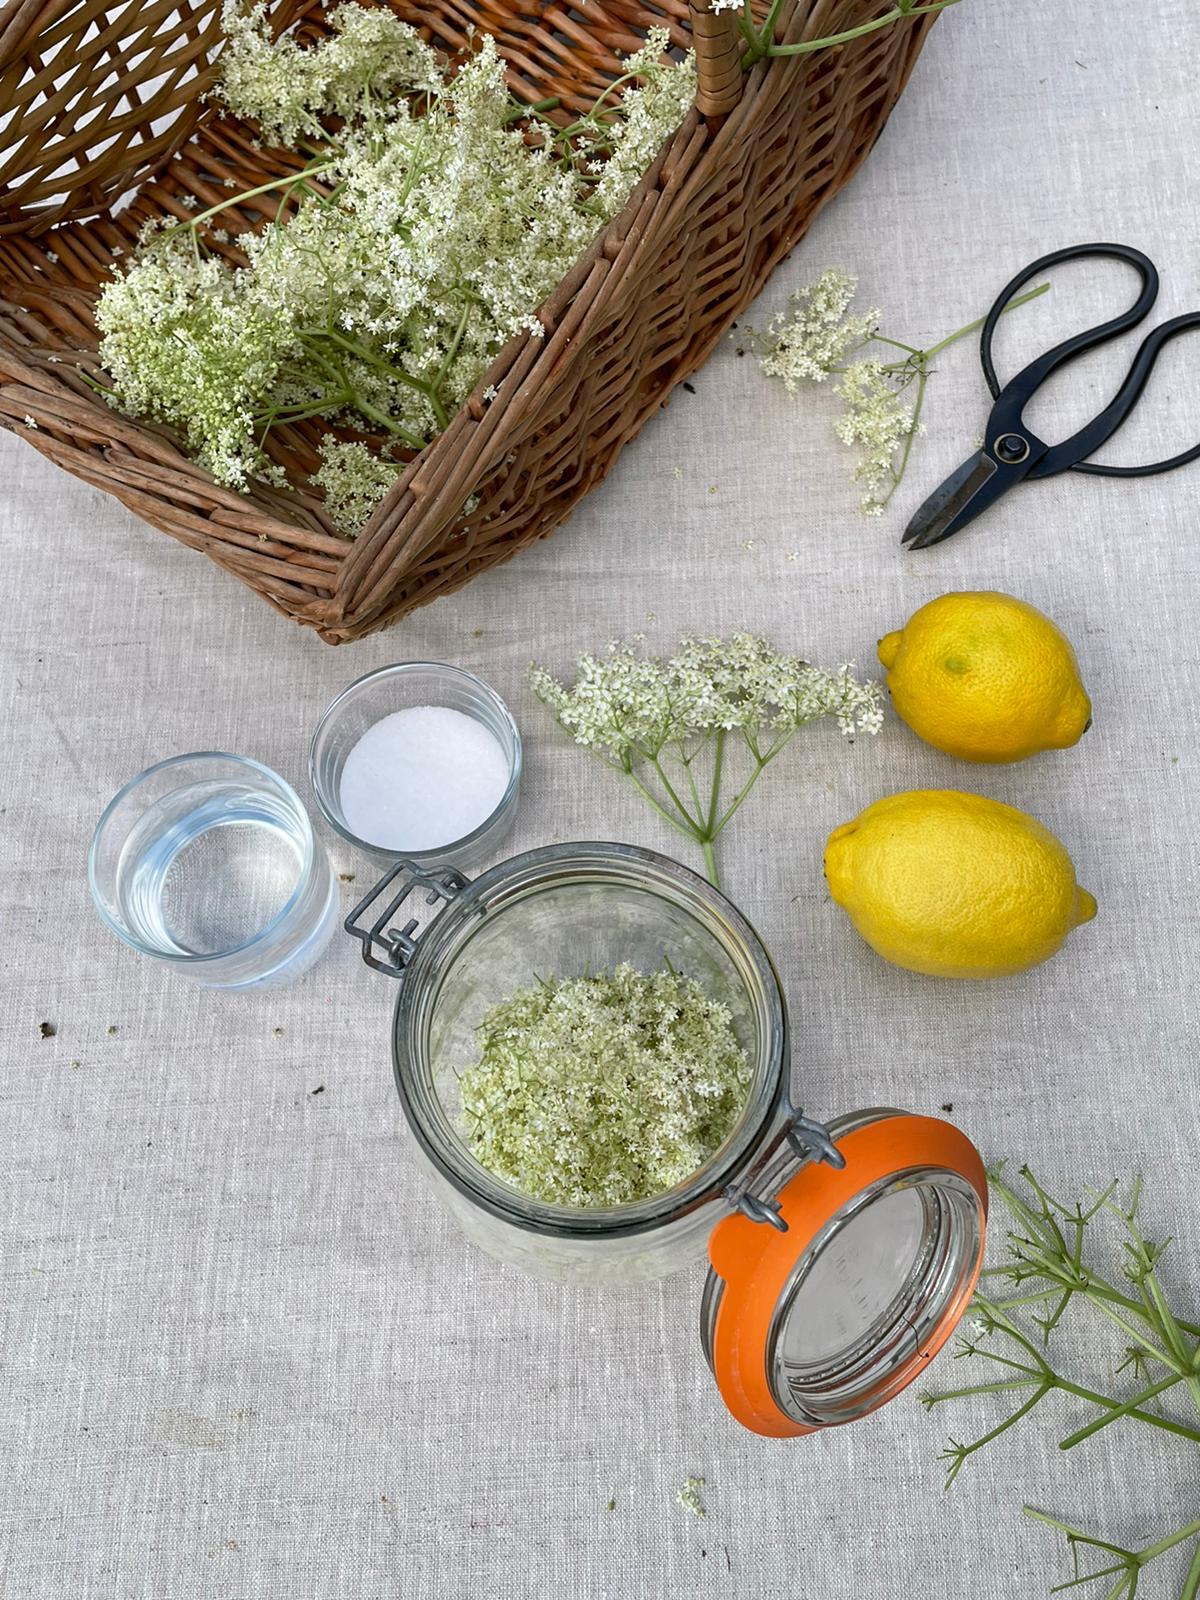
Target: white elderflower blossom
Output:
[
  {"x": 602, "y": 1091},
  {"x": 810, "y": 340},
  {"x": 648, "y": 113},
  {"x": 665, "y": 723},
  {"x": 406, "y": 256},
  {"x": 354, "y": 480},
  {"x": 878, "y": 422}
]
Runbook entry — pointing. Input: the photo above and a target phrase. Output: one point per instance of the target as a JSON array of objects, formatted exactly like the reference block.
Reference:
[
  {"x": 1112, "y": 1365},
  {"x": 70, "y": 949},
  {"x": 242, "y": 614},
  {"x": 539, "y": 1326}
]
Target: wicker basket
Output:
[{"x": 105, "y": 125}]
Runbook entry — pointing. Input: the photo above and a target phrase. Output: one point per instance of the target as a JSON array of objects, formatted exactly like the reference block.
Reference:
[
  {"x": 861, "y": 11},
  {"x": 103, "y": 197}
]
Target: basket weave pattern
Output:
[{"x": 104, "y": 126}]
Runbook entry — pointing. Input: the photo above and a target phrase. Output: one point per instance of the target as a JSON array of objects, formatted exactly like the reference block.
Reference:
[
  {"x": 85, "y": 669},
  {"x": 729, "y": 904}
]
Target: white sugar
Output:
[{"x": 422, "y": 778}]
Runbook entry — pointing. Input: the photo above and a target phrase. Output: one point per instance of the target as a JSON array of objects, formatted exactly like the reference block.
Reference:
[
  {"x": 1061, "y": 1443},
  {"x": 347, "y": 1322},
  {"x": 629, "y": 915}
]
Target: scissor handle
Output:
[
  {"x": 1124, "y": 400},
  {"x": 1015, "y": 395}
]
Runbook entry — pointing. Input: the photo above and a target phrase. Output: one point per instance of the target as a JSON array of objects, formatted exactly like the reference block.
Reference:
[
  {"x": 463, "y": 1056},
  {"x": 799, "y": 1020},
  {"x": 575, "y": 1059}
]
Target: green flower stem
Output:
[
  {"x": 653, "y": 801},
  {"x": 692, "y": 822},
  {"x": 1191, "y": 1531},
  {"x": 1091, "y": 1287},
  {"x": 1130, "y": 1562},
  {"x": 1041, "y": 1375},
  {"x": 914, "y": 429},
  {"x": 917, "y": 359},
  {"x": 714, "y": 799},
  {"x": 685, "y": 761},
  {"x": 974, "y": 327},
  {"x": 1147, "y": 1344},
  {"x": 249, "y": 194},
  {"x": 761, "y": 763},
  {"x": 387, "y": 369},
  {"x": 452, "y": 350},
  {"x": 519, "y": 110},
  {"x": 1128, "y": 1408},
  {"x": 763, "y": 45},
  {"x": 710, "y": 863},
  {"x": 1191, "y": 1584},
  {"x": 1164, "y": 1424}
]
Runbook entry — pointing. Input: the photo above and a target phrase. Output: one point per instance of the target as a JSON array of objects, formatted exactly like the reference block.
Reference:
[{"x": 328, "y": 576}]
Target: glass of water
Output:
[{"x": 208, "y": 862}]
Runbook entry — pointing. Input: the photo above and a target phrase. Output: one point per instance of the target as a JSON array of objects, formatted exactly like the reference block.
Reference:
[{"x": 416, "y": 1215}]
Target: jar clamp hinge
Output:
[
  {"x": 398, "y": 945},
  {"x": 809, "y": 1141}
]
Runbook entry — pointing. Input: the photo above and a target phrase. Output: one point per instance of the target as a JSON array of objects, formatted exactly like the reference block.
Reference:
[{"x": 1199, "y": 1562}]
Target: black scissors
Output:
[{"x": 1010, "y": 452}]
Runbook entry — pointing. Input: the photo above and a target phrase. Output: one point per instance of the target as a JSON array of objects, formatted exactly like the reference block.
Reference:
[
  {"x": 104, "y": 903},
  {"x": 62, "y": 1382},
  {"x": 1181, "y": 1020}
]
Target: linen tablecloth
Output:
[{"x": 244, "y": 1353}]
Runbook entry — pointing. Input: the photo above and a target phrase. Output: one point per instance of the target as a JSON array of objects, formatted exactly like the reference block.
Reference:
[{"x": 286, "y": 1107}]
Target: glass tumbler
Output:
[
  {"x": 396, "y": 688},
  {"x": 208, "y": 862}
]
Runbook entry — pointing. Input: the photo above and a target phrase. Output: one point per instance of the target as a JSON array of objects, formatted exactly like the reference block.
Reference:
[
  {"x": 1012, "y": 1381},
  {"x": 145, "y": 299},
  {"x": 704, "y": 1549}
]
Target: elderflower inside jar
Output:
[
  {"x": 840, "y": 1257},
  {"x": 419, "y": 760}
]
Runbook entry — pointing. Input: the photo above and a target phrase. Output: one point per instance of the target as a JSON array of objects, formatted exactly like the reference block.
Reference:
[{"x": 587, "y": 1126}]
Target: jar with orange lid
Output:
[{"x": 841, "y": 1256}]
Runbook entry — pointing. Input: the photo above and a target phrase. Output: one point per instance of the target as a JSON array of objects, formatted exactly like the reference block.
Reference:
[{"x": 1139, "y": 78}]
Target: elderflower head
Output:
[
  {"x": 625, "y": 705},
  {"x": 355, "y": 481},
  {"x": 651, "y": 110},
  {"x": 286, "y": 88},
  {"x": 808, "y": 341},
  {"x": 602, "y": 1091},
  {"x": 878, "y": 422},
  {"x": 186, "y": 345}
]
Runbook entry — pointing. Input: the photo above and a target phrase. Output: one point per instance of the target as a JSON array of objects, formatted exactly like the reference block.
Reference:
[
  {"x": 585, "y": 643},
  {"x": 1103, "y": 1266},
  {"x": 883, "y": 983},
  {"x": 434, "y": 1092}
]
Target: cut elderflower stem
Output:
[
  {"x": 1128, "y": 1565},
  {"x": 690, "y": 726},
  {"x": 761, "y": 41},
  {"x": 242, "y": 195},
  {"x": 1049, "y": 1267},
  {"x": 710, "y": 863}
]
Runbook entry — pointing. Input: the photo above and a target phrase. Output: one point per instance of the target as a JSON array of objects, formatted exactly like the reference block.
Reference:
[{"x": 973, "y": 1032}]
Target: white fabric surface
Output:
[{"x": 243, "y": 1352}]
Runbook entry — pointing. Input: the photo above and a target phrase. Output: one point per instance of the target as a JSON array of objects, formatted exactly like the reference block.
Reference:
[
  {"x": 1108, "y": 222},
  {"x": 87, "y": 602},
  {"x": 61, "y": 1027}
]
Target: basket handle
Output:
[{"x": 719, "y": 46}]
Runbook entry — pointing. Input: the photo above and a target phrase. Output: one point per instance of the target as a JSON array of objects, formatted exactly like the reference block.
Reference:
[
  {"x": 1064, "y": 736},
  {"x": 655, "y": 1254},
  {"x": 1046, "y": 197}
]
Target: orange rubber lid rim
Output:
[{"x": 756, "y": 1260}]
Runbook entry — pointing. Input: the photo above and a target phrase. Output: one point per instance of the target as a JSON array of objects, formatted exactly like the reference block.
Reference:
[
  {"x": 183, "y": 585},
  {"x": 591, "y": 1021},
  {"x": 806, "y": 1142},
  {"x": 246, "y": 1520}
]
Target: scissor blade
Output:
[{"x": 965, "y": 493}]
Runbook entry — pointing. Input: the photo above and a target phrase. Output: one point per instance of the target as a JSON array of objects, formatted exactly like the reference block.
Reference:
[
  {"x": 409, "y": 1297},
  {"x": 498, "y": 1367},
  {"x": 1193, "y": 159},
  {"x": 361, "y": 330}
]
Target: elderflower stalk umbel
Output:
[
  {"x": 816, "y": 338},
  {"x": 687, "y": 730}
]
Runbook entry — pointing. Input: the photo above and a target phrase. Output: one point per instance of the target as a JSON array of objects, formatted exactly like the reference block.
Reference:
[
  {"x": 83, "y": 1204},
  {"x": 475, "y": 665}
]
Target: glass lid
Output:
[{"x": 851, "y": 1257}]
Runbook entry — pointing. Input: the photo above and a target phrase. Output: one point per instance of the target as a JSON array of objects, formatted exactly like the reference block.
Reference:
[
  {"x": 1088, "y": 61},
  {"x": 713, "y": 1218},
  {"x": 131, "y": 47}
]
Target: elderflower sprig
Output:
[
  {"x": 1049, "y": 1269},
  {"x": 815, "y": 339},
  {"x": 760, "y": 37},
  {"x": 713, "y": 717}
]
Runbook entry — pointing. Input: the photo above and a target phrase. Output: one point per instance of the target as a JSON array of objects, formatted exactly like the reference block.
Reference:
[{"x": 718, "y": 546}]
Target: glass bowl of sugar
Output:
[{"x": 419, "y": 761}]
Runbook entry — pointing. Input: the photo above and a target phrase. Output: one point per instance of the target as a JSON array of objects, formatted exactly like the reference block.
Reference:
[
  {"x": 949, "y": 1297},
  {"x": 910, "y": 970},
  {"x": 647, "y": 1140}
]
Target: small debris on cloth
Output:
[{"x": 689, "y": 1497}]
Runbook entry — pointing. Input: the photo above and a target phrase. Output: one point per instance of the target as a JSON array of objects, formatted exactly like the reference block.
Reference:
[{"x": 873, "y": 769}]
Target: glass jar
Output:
[{"x": 840, "y": 1258}]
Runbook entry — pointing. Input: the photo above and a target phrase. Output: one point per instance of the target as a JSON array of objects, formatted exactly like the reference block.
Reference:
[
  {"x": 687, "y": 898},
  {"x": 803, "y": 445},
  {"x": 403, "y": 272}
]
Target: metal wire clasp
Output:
[
  {"x": 809, "y": 1140},
  {"x": 398, "y": 944}
]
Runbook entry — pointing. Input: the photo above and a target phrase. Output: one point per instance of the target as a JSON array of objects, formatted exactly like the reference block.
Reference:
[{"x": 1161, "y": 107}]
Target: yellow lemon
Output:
[
  {"x": 954, "y": 884},
  {"x": 986, "y": 677}
]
